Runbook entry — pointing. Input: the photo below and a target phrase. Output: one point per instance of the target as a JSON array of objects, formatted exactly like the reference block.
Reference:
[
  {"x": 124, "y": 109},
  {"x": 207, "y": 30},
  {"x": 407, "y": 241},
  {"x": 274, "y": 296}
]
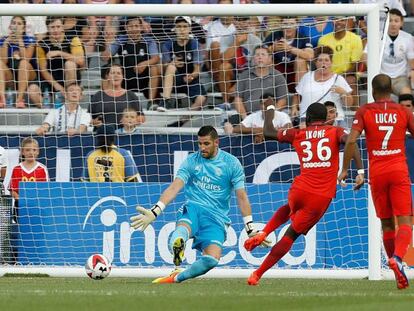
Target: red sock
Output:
[
  {"x": 388, "y": 238},
  {"x": 279, "y": 218},
  {"x": 403, "y": 240},
  {"x": 277, "y": 252}
]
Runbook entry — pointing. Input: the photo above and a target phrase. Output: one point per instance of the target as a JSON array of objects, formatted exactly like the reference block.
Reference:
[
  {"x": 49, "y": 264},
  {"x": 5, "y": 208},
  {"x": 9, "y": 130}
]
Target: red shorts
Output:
[
  {"x": 392, "y": 195},
  {"x": 306, "y": 209}
]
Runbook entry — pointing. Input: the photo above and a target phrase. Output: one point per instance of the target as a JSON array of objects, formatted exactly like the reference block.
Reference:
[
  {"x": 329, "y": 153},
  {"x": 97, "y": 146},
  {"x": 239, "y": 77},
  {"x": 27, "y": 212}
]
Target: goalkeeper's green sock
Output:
[{"x": 201, "y": 266}]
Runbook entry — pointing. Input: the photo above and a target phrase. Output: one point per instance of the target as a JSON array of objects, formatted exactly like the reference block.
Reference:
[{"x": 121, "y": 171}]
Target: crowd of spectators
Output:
[{"x": 293, "y": 60}]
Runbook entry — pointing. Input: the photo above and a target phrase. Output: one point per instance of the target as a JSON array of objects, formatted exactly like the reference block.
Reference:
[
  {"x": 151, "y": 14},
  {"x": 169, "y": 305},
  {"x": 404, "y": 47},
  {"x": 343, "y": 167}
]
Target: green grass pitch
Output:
[{"x": 77, "y": 294}]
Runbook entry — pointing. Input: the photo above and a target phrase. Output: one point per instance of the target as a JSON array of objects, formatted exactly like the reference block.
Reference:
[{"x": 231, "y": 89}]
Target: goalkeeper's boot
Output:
[
  {"x": 170, "y": 279},
  {"x": 251, "y": 243},
  {"x": 178, "y": 251},
  {"x": 253, "y": 279},
  {"x": 396, "y": 265}
]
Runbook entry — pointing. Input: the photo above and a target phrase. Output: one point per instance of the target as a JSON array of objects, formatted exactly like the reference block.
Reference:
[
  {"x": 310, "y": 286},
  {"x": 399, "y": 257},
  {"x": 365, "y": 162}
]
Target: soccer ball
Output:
[{"x": 97, "y": 267}]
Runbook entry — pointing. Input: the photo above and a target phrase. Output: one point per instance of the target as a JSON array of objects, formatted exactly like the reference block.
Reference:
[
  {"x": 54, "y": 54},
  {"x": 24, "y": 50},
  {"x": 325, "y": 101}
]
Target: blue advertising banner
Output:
[
  {"x": 64, "y": 223},
  {"x": 155, "y": 155}
]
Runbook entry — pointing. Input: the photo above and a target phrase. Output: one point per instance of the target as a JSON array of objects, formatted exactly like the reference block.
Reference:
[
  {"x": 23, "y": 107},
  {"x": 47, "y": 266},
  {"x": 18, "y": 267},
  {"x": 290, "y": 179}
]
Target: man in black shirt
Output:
[
  {"x": 182, "y": 60},
  {"x": 140, "y": 58}
]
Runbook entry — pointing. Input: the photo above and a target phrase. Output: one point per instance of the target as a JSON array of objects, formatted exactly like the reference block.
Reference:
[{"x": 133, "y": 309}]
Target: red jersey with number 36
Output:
[
  {"x": 385, "y": 124},
  {"x": 20, "y": 173},
  {"x": 317, "y": 147}
]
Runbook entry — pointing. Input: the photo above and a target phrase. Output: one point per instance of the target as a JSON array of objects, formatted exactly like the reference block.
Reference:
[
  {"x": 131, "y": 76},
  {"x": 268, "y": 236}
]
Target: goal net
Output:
[{"x": 156, "y": 74}]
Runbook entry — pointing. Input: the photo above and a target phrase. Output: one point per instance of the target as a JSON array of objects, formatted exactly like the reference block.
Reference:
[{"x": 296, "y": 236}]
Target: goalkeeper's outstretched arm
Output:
[
  {"x": 246, "y": 211},
  {"x": 171, "y": 192},
  {"x": 147, "y": 216}
]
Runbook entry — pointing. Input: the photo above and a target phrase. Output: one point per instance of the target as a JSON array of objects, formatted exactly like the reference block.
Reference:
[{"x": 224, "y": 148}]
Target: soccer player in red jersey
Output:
[
  {"x": 312, "y": 191},
  {"x": 385, "y": 124},
  {"x": 29, "y": 169}
]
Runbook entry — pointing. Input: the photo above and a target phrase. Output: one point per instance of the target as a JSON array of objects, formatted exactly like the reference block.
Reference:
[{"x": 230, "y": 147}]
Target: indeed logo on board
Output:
[{"x": 158, "y": 245}]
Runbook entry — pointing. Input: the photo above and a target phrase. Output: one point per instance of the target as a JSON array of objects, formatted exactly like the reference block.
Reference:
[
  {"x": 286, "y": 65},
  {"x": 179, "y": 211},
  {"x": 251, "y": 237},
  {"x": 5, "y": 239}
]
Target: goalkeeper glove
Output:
[
  {"x": 251, "y": 231},
  {"x": 146, "y": 216}
]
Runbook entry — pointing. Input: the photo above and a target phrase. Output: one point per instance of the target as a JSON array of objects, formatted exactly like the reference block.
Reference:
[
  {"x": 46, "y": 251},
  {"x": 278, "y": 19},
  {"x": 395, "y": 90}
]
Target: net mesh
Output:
[{"x": 156, "y": 81}]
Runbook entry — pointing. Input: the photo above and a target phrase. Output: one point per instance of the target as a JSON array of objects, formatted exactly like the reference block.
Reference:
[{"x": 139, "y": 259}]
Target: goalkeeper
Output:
[{"x": 209, "y": 176}]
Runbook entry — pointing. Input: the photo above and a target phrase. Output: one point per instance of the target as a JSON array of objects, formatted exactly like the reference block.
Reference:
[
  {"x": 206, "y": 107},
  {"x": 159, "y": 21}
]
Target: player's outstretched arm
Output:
[
  {"x": 246, "y": 211},
  {"x": 147, "y": 216},
  {"x": 351, "y": 151},
  {"x": 359, "y": 179},
  {"x": 269, "y": 131}
]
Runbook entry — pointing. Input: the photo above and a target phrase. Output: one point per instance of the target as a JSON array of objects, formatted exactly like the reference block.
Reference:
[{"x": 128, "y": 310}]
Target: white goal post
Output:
[{"x": 372, "y": 11}]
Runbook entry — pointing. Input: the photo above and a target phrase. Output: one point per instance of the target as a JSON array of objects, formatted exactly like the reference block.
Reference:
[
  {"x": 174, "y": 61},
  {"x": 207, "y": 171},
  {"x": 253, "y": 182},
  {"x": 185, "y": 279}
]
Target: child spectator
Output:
[
  {"x": 29, "y": 170},
  {"x": 130, "y": 121},
  {"x": 70, "y": 118},
  {"x": 16, "y": 60}
]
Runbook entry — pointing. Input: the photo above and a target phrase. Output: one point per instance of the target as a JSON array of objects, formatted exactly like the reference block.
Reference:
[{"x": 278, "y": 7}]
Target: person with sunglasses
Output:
[{"x": 398, "y": 59}]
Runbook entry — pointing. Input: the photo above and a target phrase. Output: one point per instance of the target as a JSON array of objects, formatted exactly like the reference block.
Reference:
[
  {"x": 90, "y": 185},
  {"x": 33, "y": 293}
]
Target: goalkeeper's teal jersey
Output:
[{"x": 210, "y": 182}]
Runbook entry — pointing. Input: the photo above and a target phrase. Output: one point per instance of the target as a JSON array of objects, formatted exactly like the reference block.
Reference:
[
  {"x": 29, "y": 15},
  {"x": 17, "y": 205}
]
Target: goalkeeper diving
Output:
[{"x": 208, "y": 176}]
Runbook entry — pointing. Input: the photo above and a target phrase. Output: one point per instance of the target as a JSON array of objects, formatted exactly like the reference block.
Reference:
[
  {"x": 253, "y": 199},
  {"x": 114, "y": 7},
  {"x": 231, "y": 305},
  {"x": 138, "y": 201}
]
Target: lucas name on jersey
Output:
[{"x": 389, "y": 118}]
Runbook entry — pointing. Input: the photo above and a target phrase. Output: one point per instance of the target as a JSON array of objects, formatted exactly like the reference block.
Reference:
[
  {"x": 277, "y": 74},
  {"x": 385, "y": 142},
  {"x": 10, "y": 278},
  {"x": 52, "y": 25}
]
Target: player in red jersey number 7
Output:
[
  {"x": 385, "y": 124},
  {"x": 312, "y": 191}
]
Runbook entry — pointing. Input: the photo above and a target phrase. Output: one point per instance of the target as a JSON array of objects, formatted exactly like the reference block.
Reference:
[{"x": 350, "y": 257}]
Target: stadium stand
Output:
[{"x": 25, "y": 120}]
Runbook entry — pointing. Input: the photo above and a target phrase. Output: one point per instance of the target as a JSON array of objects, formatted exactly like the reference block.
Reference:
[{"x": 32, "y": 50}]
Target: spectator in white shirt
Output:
[
  {"x": 216, "y": 30},
  {"x": 70, "y": 118},
  {"x": 389, "y": 4},
  {"x": 322, "y": 85},
  {"x": 398, "y": 58},
  {"x": 253, "y": 123}
]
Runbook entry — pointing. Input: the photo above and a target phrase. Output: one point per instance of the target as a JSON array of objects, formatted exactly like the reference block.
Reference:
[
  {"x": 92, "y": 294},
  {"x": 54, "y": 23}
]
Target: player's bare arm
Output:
[
  {"x": 359, "y": 179},
  {"x": 171, "y": 192},
  {"x": 147, "y": 216},
  {"x": 349, "y": 153},
  {"x": 269, "y": 130},
  {"x": 243, "y": 202}
]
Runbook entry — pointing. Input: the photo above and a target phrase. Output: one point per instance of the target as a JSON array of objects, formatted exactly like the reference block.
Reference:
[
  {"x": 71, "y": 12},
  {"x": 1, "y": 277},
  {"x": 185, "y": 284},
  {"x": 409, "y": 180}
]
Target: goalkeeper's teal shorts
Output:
[{"x": 204, "y": 228}]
